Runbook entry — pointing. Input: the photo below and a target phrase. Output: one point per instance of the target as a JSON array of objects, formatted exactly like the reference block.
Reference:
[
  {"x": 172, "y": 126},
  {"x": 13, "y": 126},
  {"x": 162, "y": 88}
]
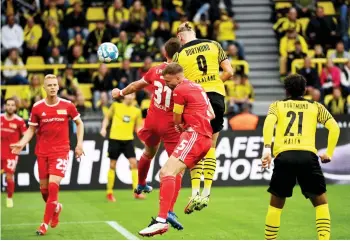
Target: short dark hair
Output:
[
  {"x": 10, "y": 99},
  {"x": 172, "y": 46},
  {"x": 172, "y": 69},
  {"x": 295, "y": 85}
]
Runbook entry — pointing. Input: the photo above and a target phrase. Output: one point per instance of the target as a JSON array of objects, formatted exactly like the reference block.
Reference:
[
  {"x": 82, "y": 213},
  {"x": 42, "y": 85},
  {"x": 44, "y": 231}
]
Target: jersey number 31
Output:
[{"x": 158, "y": 92}]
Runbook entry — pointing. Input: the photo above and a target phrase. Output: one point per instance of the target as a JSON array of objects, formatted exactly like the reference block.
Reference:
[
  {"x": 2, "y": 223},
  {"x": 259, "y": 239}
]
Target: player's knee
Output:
[
  {"x": 112, "y": 164},
  {"x": 318, "y": 200},
  {"x": 55, "y": 179},
  {"x": 150, "y": 152},
  {"x": 133, "y": 163},
  {"x": 9, "y": 176},
  {"x": 44, "y": 183}
]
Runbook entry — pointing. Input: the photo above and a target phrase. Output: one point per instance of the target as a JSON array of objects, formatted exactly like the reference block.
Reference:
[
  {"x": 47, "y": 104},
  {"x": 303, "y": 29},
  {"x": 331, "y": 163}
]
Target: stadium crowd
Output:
[
  {"x": 69, "y": 32},
  {"x": 308, "y": 30}
]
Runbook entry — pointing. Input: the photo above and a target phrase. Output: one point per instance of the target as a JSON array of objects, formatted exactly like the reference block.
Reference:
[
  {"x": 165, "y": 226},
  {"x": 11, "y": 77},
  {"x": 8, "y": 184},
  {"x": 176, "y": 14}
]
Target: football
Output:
[{"x": 107, "y": 52}]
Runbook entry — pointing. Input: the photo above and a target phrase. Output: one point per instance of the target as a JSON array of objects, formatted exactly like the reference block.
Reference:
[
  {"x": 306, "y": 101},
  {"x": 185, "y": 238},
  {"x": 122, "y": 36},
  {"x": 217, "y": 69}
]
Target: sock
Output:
[
  {"x": 208, "y": 171},
  {"x": 51, "y": 202},
  {"x": 166, "y": 193},
  {"x": 44, "y": 193},
  {"x": 134, "y": 178},
  {"x": 10, "y": 187},
  {"x": 323, "y": 222},
  {"x": 143, "y": 167},
  {"x": 196, "y": 173},
  {"x": 110, "y": 182},
  {"x": 178, "y": 182},
  {"x": 272, "y": 223}
]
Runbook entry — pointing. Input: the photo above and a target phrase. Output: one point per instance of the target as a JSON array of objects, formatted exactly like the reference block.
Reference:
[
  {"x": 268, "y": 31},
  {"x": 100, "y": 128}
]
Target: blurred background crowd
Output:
[{"x": 56, "y": 32}]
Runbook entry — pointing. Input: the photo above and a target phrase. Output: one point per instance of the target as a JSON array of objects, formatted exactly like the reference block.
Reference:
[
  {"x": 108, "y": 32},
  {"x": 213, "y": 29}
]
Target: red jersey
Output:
[
  {"x": 195, "y": 104},
  {"x": 162, "y": 100},
  {"x": 52, "y": 136},
  {"x": 11, "y": 131}
]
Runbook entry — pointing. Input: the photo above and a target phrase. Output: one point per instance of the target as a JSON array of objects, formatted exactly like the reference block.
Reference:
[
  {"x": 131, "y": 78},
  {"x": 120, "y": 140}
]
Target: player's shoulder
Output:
[
  {"x": 65, "y": 102},
  {"x": 39, "y": 103},
  {"x": 18, "y": 118}
]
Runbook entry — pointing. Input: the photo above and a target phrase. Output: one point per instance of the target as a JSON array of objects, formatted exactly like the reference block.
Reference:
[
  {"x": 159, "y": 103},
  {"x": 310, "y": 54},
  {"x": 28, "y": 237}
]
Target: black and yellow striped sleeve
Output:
[
  {"x": 176, "y": 57},
  {"x": 222, "y": 54},
  {"x": 273, "y": 109},
  {"x": 323, "y": 114}
]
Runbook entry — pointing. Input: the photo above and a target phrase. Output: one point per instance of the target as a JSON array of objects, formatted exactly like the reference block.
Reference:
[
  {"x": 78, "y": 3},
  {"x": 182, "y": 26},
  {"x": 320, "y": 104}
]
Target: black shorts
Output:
[
  {"x": 291, "y": 166},
  {"x": 116, "y": 147},
  {"x": 217, "y": 101}
]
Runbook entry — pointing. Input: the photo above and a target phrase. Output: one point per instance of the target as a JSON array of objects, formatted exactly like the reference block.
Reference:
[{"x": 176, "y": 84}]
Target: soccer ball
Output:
[{"x": 107, "y": 52}]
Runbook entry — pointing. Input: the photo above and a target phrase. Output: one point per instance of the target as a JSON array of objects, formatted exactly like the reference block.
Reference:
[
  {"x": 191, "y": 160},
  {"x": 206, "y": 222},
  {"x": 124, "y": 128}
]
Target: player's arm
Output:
[
  {"x": 269, "y": 126},
  {"x": 325, "y": 118},
  {"x": 131, "y": 88},
  {"x": 106, "y": 120},
  {"x": 28, "y": 135},
  {"x": 80, "y": 137},
  {"x": 224, "y": 64},
  {"x": 179, "y": 105}
]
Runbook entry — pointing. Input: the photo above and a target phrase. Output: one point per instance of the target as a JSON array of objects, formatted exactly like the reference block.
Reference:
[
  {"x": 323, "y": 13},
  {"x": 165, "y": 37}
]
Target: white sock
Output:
[
  {"x": 162, "y": 220},
  {"x": 46, "y": 225},
  {"x": 205, "y": 192},
  {"x": 195, "y": 191}
]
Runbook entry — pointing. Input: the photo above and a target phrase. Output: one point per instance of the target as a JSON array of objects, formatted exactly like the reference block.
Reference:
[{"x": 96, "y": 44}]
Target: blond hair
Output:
[{"x": 50, "y": 76}]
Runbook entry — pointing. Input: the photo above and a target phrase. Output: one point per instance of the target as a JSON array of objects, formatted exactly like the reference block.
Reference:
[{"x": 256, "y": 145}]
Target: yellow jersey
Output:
[
  {"x": 124, "y": 120},
  {"x": 296, "y": 124},
  {"x": 201, "y": 60}
]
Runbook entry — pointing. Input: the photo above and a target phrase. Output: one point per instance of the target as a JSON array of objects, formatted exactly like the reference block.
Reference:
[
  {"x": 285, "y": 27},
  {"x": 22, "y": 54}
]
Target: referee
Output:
[
  {"x": 125, "y": 119},
  {"x": 295, "y": 154}
]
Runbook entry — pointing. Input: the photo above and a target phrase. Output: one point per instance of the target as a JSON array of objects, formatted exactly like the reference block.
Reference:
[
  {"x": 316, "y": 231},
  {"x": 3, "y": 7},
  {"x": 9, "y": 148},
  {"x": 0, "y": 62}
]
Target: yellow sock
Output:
[
  {"x": 323, "y": 222},
  {"x": 196, "y": 173},
  {"x": 110, "y": 182},
  {"x": 135, "y": 178},
  {"x": 272, "y": 222},
  {"x": 209, "y": 170}
]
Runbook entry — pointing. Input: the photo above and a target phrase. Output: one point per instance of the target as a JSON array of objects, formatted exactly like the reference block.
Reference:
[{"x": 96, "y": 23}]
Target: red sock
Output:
[
  {"x": 51, "y": 202},
  {"x": 143, "y": 167},
  {"x": 44, "y": 193},
  {"x": 10, "y": 187},
  {"x": 178, "y": 182},
  {"x": 166, "y": 195}
]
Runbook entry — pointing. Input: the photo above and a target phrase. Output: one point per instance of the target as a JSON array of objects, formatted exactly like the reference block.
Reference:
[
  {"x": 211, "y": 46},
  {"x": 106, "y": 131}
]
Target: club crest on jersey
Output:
[
  {"x": 12, "y": 125},
  {"x": 126, "y": 118},
  {"x": 62, "y": 112}
]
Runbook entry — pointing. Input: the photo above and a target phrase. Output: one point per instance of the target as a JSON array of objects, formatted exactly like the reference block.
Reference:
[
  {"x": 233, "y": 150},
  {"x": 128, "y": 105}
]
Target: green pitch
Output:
[{"x": 233, "y": 213}]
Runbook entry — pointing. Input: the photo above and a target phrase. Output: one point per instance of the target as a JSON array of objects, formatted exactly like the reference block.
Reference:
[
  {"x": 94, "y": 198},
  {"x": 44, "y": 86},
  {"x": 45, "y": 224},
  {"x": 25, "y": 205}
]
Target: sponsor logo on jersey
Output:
[
  {"x": 13, "y": 125},
  {"x": 53, "y": 119},
  {"x": 62, "y": 112},
  {"x": 126, "y": 119}
]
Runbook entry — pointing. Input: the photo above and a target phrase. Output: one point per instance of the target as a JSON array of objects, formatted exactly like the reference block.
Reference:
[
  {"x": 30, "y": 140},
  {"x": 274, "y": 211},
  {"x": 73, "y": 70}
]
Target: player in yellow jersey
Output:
[
  {"x": 125, "y": 119},
  {"x": 295, "y": 154},
  {"x": 201, "y": 60}
]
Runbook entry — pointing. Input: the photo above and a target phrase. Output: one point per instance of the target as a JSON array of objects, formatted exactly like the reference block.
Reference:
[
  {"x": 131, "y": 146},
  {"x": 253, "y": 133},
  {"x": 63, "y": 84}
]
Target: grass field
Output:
[{"x": 233, "y": 213}]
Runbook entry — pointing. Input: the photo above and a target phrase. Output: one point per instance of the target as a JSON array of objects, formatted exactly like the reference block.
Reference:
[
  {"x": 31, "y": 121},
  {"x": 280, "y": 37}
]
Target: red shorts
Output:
[
  {"x": 8, "y": 164},
  {"x": 192, "y": 147},
  {"x": 52, "y": 165},
  {"x": 154, "y": 131}
]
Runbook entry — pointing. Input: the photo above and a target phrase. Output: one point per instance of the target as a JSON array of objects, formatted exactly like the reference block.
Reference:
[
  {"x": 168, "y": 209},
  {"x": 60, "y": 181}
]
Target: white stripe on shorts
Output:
[{"x": 189, "y": 146}]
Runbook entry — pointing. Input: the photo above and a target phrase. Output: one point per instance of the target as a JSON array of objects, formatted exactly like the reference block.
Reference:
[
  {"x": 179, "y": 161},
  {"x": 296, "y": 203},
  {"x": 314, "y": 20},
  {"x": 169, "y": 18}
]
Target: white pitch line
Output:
[
  {"x": 35, "y": 224},
  {"x": 122, "y": 230}
]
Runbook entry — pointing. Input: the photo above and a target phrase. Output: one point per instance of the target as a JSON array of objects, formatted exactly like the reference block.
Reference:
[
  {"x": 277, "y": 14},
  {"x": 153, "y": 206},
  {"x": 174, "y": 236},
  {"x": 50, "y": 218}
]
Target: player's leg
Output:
[
  {"x": 151, "y": 141},
  {"x": 313, "y": 186},
  {"x": 114, "y": 151},
  {"x": 54, "y": 168},
  {"x": 218, "y": 103},
  {"x": 282, "y": 183},
  {"x": 10, "y": 189},
  {"x": 44, "y": 188},
  {"x": 167, "y": 188}
]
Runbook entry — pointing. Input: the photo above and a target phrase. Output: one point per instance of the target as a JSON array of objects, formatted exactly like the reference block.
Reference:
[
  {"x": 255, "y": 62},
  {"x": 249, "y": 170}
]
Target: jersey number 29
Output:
[{"x": 158, "y": 92}]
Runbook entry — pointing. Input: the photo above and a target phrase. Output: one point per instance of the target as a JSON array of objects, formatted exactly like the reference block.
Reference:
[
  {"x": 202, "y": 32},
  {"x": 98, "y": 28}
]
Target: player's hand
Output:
[
  {"x": 103, "y": 132},
  {"x": 179, "y": 128},
  {"x": 115, "y": 93},
  {"x": 266, "y": 158},
  {"x": 16, "y": 148},
  {"x": 79, "y": 152},
  {"x": 325, "y": 158}
]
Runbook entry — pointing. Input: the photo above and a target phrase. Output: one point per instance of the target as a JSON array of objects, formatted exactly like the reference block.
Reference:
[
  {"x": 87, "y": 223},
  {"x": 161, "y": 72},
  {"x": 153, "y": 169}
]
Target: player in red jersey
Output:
[
  {"x": 12, "y": 128},
  {"x": 159, "y": 124},
  {"x": 192, "y": 114},
  {"x": 49, "y": 119}
]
